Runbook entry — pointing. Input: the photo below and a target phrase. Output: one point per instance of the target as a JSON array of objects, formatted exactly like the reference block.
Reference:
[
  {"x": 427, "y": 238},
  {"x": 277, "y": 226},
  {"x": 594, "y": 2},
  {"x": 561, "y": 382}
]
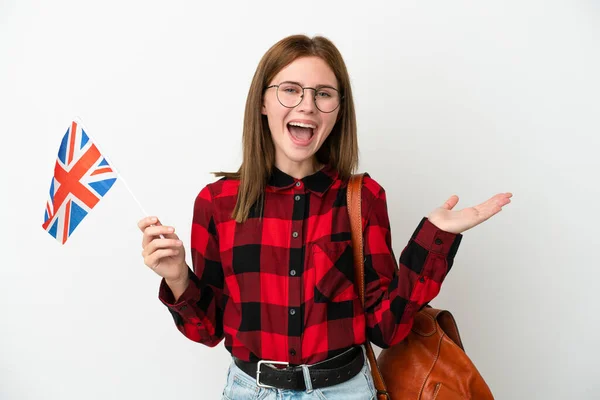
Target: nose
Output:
[{"x": 307, "y": 104}]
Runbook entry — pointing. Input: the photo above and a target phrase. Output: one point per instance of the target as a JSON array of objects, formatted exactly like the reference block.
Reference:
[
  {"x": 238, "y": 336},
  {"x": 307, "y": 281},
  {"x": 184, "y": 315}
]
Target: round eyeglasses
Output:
[{"x": 290, "y": 94}]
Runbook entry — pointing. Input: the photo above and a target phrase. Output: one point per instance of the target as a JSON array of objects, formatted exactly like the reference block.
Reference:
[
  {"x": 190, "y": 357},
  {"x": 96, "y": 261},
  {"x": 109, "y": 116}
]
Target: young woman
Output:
[{"x": 271, "y": 250}]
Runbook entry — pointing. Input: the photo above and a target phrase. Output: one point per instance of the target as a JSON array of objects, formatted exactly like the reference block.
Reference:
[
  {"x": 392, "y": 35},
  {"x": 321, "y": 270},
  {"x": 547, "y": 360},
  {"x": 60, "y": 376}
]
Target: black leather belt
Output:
[{"x": 329, "y": 372}]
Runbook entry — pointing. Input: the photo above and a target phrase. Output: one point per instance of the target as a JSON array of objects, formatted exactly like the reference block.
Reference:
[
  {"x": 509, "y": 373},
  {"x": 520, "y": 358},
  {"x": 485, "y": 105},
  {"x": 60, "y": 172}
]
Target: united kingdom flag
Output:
[{"x": 82, "y": 176}]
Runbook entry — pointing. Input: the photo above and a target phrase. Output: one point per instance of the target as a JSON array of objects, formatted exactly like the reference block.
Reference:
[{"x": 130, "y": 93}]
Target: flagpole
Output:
[{"x": 79, "y": 120}]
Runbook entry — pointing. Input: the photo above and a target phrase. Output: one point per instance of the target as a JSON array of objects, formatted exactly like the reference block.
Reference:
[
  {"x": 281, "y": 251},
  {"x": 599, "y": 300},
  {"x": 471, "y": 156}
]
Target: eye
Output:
[
  {"x": 323, "y": 94},
  {"x": 290, "y": 88}
]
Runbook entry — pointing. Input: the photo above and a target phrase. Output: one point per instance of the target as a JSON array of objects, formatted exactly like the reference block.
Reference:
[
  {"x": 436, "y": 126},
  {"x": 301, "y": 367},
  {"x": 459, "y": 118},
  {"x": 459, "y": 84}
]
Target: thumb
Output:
[{"x": 450, "y": 203}]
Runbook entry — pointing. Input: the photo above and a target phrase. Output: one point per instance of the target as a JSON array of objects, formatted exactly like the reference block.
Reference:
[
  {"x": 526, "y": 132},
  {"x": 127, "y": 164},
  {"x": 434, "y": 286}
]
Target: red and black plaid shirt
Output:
[{"x": 281, "y": 287}]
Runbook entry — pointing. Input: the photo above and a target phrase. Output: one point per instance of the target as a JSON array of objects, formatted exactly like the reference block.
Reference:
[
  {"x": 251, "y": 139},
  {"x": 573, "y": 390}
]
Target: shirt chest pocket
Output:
[{"x": 333, "y": 268}]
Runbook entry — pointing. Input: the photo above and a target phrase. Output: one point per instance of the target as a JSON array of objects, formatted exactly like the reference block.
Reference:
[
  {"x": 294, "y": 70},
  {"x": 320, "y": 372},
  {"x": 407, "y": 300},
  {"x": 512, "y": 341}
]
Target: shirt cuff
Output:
[
  {"x": 185, "y": 305},
  {"x": 436, "y": 240}
]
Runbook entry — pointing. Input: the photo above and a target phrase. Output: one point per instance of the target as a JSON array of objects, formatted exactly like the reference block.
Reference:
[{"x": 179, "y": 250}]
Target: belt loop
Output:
[
  {"x": 366, "y": 361},
  {"x": 307, "y": 381}
]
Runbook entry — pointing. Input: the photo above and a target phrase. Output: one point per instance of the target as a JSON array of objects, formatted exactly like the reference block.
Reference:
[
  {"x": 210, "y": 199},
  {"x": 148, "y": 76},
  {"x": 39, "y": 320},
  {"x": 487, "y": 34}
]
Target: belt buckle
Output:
[{"x": 258, "y": 371}]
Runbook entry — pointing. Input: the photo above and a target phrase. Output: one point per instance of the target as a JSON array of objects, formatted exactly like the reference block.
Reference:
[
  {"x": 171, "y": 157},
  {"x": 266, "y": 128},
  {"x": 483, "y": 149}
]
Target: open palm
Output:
[{"x": 458, "y": 221}]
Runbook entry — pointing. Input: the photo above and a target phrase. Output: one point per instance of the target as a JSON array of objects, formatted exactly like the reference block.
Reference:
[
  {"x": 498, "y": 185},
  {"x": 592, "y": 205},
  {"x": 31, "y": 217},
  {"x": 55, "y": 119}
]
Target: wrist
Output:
[{"x": 179, "y": 280}]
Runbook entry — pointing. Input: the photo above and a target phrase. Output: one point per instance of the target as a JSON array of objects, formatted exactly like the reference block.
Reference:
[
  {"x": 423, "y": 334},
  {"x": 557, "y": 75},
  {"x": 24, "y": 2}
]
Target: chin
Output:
[{"x": 298, "y": 157}]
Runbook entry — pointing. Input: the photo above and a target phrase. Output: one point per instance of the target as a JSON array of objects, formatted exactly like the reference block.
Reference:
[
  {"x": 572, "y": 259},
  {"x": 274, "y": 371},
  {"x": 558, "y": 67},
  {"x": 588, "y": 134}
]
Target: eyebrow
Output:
[{"x": 317, "y": 87}]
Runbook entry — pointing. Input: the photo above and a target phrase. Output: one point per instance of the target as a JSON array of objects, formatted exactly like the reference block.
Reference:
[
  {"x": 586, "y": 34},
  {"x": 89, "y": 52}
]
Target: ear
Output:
[{"x": 263, "y": 109}]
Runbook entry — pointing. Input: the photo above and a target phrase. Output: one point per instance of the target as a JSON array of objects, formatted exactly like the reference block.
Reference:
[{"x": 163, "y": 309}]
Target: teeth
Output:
[{"x": 300, "y": 124}]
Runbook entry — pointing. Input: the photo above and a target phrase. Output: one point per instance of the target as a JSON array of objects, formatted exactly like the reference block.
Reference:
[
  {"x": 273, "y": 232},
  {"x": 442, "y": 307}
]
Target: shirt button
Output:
[
  {"x": 295, "y": 234},
  {"x": 297, "y": 198},
  {"x": 293, "y": 272},
  {"x": 292, "y": 312},
  {"x": 292, "y": 352},
  {"x": 298, "y": 184},
  {"x": 438, "y": 241}
]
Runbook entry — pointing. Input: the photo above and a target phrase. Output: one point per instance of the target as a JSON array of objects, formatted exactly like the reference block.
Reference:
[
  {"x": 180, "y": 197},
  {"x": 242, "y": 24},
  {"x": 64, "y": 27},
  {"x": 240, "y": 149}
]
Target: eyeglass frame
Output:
[{"x": 302, "y": 97}]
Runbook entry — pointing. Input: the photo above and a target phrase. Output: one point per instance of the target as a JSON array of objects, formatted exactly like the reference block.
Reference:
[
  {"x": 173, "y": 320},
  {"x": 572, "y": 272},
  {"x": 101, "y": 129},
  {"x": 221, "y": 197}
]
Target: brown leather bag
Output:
[{"x": 430, "y": 363}]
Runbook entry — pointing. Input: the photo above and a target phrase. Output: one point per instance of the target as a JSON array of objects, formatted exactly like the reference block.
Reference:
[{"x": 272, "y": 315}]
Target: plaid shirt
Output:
[{"x": 282, "y": 287}]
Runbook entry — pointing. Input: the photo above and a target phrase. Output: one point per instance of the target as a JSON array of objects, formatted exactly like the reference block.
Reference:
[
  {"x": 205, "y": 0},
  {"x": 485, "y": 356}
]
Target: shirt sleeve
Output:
[
  {"x": 198, "y": 312},
  {"x": 395, "y": 293}
]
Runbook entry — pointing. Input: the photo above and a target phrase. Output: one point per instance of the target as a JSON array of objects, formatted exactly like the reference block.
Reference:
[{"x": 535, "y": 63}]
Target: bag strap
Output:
[{"x": 354, "y": 211}]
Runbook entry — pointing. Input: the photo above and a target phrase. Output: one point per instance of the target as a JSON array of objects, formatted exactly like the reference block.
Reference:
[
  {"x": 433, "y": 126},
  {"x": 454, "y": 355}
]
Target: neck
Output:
[{"x": 300, "y": 169}]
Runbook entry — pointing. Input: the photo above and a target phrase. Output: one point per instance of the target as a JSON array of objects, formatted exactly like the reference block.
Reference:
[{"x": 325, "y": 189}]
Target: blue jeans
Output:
[{"x": 241, "y": 386}]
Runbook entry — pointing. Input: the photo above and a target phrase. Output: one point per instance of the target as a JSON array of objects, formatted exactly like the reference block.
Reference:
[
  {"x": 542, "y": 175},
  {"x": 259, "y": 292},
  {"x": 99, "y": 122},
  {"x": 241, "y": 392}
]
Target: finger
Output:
[
  {"x": 501, "y": 199},
  {"x": 147, "y": 221},
  {"x": 491, "y": 207},
  {"x": 158, "y": 232},
  {"x": 153, "y": 259},
  {"x": 152, "y": 232},
  {"x": 158, "y": 244}
]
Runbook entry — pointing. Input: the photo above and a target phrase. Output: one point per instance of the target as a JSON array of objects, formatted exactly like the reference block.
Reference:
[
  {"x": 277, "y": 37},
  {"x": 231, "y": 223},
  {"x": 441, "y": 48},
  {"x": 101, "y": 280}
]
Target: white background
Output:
[{"x": 464, "y": 97}]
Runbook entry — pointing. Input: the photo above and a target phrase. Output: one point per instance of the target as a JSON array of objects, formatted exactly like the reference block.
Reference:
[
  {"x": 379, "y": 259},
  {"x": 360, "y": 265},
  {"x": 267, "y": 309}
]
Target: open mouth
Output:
[{"x": 301, "y": 133}]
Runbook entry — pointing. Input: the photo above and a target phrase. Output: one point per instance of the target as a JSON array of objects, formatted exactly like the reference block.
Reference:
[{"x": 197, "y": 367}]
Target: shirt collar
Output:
[{"x": 318, "y": 183}]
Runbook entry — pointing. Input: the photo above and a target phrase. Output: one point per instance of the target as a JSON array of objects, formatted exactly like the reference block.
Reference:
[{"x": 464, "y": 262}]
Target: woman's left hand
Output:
[{"x": 459, "y": 221}]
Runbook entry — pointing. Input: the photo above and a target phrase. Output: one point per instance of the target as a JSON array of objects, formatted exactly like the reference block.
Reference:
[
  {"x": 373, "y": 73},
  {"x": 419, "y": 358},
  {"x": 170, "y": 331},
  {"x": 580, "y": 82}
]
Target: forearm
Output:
[
  {"x": 198, "y": 321},
  {"x": 395, "y": 294}
]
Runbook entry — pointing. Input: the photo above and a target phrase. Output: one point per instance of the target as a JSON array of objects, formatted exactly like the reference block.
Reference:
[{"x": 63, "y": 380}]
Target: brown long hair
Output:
[{"x": 340, "y": 150}]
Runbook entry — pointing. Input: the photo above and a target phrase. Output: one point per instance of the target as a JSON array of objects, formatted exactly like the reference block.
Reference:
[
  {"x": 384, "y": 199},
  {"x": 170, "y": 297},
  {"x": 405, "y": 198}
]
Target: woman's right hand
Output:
[{"x": 165, "y": 256}]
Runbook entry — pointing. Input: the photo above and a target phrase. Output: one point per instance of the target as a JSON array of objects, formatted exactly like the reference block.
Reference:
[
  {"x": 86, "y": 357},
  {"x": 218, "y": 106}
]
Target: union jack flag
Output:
[{"x": 82, "y": 176}]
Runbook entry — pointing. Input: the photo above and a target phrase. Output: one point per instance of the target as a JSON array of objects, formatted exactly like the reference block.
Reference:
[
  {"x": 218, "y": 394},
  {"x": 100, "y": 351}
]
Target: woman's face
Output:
[{"x": 300, "y": 131}]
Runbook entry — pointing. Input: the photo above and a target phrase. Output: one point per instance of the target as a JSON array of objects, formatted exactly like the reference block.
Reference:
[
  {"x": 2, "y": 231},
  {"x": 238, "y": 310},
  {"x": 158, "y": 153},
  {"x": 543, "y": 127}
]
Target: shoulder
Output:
[
  {"x": 223, "y": 187},
  {"x": 371, "y": 191},
  {"x": 372, "y": 195},
  {"x": 372, "y": 200},
  {"x": 371, "y": 188},
  {"x": 217, "y": 198}
]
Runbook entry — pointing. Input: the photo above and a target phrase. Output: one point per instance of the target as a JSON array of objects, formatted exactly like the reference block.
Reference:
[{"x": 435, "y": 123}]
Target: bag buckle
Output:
[{"x": 258, "y": 371}]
